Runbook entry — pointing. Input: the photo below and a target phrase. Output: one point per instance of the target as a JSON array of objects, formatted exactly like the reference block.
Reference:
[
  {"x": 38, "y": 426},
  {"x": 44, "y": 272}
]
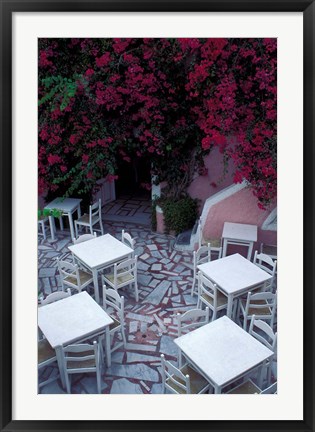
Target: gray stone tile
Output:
[
  {"x": 140, "y": 347},
  {"x": 135, "y": 371},
  {"x": 167, "y": 346},
  {"x": 155, "y": 297},
  {"x": 136, "y": 358},
  {"x": 157, "y": 389},
  {"x": 47, "y": 272},
  {"x": 123, "y": 386},
  {"x": 139, "y": 317}
]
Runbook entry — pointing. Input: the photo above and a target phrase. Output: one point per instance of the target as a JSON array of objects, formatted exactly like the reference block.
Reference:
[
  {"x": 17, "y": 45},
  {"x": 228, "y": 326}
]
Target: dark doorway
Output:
[{"x": 132, "y": 176}]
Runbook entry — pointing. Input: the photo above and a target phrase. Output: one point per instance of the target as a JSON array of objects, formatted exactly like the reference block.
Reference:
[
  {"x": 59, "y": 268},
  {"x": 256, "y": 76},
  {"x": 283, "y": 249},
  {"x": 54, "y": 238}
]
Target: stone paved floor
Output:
[
  {"x": 165, "y": 278},
  {"x": 135, "y": 209}
]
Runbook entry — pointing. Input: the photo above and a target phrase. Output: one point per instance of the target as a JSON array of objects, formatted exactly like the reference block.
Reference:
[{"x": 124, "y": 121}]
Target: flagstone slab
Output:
[
  {"x": 134, "y": 371},
  {"x": 167, "y": 346},
  {"x": 123, "y": 386},
  {"x": 156, "y": 296},
  {"x": 136, "y": 358}
]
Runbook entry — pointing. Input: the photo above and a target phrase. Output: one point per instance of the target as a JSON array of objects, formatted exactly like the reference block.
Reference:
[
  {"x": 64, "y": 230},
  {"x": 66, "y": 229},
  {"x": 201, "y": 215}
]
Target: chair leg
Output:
[
  {"x": 123, "y": 335},
  {"x": 136, "y": 291},
  {"x": 193, "y": 285},
  {"x": 214, "y": 315},
  {"x": 107, "y": 342},
  {"x": 101, "y": 225},
  {"x": 76, "y": 229},
  {"x": 98, "y": 380},
  {"x": 91, "y": 229},
  {"x": 67, "y": 382}
]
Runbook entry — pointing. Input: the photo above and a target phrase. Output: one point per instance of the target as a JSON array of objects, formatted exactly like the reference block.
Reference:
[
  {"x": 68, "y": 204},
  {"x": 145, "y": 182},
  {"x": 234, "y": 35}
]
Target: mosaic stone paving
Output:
[
  {"x": 129, "y": 209},
  {"x": 164, "y": 282}
]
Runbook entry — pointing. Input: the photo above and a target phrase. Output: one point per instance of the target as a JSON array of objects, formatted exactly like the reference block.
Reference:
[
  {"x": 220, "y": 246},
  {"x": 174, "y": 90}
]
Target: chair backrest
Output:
[
  {"x": 84, "y": 237},
  {"x": 192, "y": 319},
  {"x": 272, "y": 389},
  {"x": 58, "y": 295},
  {"x": 261, "y": 304},
  {"x": 171, "y": 374},
  {"x": 127, "y": 239},
  {"x": 205, "y": 286},
  {"x": 265, "y": 262},
  {"x": 261, "y": 331},
  {"x": 95, "y": 210},
  {"x": 125, "y": 268},
  {"x": 111, "y": 299},
  {"x": 202, "y": 255},
  {"x": 80, "y": 354},
  {"x": 69, "y": 270}
]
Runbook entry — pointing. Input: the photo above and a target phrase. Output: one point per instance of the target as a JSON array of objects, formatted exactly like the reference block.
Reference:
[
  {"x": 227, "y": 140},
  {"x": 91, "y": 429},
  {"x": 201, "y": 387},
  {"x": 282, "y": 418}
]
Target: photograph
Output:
[{"x": 157, "y": 215}]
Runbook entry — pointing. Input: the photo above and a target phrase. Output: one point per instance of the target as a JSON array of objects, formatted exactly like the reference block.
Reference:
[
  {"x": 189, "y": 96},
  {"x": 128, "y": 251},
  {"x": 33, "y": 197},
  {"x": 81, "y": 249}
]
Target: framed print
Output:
[{"x": 139, "y": 82}]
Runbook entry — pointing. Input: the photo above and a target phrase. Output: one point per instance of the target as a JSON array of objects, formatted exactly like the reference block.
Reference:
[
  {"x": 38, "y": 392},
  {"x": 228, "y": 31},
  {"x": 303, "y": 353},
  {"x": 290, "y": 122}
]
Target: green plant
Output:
[
  {"x": 46, "y": 212},
  {"x": 179, "y": 215}
]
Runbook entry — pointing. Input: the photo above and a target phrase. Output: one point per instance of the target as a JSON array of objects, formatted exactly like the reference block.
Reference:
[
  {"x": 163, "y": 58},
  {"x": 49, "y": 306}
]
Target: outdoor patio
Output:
[{"x": 164, "y": 281}]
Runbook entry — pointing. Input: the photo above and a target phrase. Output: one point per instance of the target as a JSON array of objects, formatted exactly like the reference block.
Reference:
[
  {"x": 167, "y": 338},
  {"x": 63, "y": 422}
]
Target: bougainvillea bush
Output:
[{"x": 167, "y": 100}]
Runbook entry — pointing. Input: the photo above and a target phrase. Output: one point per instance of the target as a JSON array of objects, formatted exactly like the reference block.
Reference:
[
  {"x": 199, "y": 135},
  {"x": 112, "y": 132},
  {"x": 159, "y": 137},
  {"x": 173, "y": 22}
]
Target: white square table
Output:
[
  {"x": 67, "y": 206},
  {"x": 223, "y": 352},
  {"x": 239, "y": 234},
  {"x": 70, "y": 320},
  {"x": 99, "y": 252},
  {"x": 234, "y": 275}
]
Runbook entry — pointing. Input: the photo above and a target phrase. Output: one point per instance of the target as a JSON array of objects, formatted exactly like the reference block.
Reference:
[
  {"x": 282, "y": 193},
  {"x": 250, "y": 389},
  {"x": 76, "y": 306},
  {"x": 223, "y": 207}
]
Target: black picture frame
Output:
[{"x": 7, "y": 9}]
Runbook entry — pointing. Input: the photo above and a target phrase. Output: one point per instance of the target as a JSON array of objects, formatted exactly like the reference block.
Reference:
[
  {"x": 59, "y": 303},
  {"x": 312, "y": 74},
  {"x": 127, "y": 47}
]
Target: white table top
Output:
[
  {"x": 238, "y": 231},
  {"x": 64, "y": 204},
  {"x": 71, "y": 319},
  {"x": 100, "y": 251},
  {"x": 222, "y": 350},
  {"x": 234, "y": 273}
]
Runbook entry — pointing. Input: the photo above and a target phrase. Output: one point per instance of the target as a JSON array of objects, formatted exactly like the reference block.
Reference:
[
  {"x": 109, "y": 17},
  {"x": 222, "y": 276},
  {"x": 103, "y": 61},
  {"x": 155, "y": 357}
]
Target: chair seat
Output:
[
  {"x": 115, "y": 324},
  {"x": 221, "y": 299},
  {"x": 197, "y": 381},
  {"x": 85, "y": 219},
  {"x": 43, "y": 218},
  {"x": 45, "y": 351},
  {"x": 120, "y": 279},
  {"x": 215, "y": 243},
  {"x": 248, "y": 387},
  {"x": 84, "y": 278},
  {"x": 254, "y": 311}
]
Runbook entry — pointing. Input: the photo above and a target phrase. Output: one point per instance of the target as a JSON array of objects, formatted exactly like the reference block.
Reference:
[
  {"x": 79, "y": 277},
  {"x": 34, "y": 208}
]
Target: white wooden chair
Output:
[
  {"x": 113, "y": 302},
  {"x": 46, "y": 354},
  {"x": 41, "y": 226},
  {"x": 261, "y": 331},
  {"x": 216, "y": 243},
  {"x": 73, "y": 277},
  {"x": 84, "y": 237},
  {"x": 191, "y": 320},
  {"x": 265, "y": 262},
  {"x": 201, "y": 256},
  {"x": 249, "y": 387},
  {"x": 58, "y": 295},
  {"x": 182, "y": 381},
  {"x": 269, "y": 249},
  {"x": 91, "y": 219},
  {"x": 125, "y": 273},
  {"x": 82, "y": 358},
  {"x": 261, "y": 304},
  {"x": 209, "y": 295},
  {"x": 46, "y": 357},
  {"x": 128, "y": 241}
]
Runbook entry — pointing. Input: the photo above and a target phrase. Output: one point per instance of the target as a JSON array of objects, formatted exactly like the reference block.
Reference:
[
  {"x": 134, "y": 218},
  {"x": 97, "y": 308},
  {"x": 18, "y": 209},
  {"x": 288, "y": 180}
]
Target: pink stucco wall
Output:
[
  {"x": 241, "y": 207},
  {"x": 204, "y": 187}
]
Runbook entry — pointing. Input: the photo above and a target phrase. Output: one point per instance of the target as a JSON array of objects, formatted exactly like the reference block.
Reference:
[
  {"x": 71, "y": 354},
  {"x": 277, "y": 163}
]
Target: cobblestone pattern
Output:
[{"x": 164, "y": 281}]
